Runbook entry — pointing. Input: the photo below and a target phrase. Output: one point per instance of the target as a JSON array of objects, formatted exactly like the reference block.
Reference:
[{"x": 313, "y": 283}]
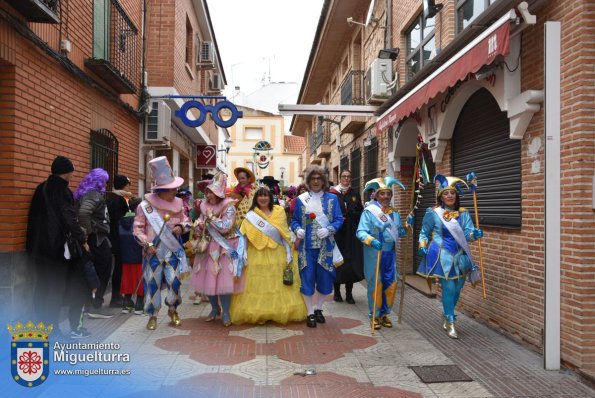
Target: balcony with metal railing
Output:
[
  {"x": 352, "y": 93},
  {"x": 320, "y": 144},
  {"x": 115, "y": 47},
  {"x": 44, "y": 11}
]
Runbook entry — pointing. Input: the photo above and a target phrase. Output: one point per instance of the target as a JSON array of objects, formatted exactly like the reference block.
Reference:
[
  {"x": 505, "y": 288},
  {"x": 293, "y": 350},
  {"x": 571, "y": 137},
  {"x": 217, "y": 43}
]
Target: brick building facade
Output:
[
  {"x": 499, "y": 104},
  {"x": 62, "y": 101},
  {"x": 78, "y": 78}
]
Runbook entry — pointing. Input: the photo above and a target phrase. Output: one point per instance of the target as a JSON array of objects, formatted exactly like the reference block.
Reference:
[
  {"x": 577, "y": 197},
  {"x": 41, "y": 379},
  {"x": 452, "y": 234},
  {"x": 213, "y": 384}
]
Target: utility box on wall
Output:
[{"x": 378, "y": 77}]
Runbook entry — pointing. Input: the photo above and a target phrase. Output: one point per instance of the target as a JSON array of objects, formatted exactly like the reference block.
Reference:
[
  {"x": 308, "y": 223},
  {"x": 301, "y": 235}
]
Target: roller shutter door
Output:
[{"x": 481, "y": 143}]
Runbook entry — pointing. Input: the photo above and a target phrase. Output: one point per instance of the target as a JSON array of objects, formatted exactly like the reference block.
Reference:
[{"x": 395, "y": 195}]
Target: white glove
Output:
[
  {"x": 322, "y": 233},
  {"x": 300, "y": 233}
]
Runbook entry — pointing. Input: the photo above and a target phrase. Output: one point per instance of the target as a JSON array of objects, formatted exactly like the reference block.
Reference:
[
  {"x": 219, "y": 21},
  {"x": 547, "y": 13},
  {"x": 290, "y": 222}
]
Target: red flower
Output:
[{"x": 312, "y": 216}]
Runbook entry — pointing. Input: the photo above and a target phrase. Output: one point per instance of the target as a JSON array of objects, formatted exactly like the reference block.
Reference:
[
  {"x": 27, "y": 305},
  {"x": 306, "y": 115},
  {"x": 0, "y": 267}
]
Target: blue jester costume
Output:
[
  {"x": 379, "y": 229},
  {"x": 443, "y": 243},
  {"x": 316, "y": 218}
]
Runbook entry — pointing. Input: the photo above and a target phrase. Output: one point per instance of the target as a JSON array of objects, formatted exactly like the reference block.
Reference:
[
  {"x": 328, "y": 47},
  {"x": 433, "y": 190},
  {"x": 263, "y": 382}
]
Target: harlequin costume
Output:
[
  {"x": 379, "y": 229},
  {"x": 243, "y": 194},
  {"x": 217, "y": 266},
  {"x": 265, "y": 297},
  {"x": 317, "y": 254},
  {"x": 166, "y": 265},
  {"x": 443, "y": 243}
]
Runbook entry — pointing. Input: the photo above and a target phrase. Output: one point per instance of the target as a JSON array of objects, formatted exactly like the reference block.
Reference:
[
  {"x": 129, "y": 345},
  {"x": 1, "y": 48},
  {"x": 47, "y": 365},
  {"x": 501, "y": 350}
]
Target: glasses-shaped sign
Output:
[{"x": 214, "y": 110}]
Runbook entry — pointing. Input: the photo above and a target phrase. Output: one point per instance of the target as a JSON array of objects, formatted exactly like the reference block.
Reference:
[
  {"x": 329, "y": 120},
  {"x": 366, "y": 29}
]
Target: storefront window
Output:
[
  {"x": 421, "y": 46},
  {"x": 468, "y": 10}
]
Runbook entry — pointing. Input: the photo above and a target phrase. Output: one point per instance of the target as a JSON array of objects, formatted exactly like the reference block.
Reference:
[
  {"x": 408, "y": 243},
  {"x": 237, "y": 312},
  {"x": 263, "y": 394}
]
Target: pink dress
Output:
[{"x": 212, "y": 273}]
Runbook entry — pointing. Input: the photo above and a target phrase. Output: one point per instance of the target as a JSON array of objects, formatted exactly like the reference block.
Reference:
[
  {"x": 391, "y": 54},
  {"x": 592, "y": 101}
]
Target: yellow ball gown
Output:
[{"x": 265, "y": 297}]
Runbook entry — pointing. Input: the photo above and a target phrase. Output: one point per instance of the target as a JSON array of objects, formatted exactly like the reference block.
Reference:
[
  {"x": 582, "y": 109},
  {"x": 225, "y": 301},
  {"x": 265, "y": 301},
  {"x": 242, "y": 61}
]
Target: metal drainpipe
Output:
[{"x": 388, "y": 32}]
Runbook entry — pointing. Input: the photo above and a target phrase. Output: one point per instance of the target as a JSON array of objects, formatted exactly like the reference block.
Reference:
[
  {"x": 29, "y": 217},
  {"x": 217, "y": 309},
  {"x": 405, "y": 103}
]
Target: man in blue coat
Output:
[{"x": 316, "y": 218}]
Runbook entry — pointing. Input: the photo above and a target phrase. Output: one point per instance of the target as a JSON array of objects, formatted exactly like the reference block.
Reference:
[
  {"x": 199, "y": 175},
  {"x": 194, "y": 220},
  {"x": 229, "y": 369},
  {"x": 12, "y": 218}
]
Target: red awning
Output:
[{"x": 481, "y": 51}]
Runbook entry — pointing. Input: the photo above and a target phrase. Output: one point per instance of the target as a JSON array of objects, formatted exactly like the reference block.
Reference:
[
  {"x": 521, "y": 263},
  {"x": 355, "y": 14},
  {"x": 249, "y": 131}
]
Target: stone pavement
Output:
[{"x": 201, "y": 359}]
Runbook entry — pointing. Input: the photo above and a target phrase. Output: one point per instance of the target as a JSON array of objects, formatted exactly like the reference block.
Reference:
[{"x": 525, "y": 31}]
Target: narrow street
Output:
[{"x": 202, "y": 359}]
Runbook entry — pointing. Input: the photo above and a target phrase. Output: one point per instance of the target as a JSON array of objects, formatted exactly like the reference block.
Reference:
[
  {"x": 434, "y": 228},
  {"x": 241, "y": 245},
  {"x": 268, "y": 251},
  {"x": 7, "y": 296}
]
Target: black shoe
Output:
[
  {"x": 319, "y": 316},
  {"x": 337, "y": 297},
  {"x": 349, "y": 299},
  {"x": 311, "y": 322},
  {"x": 127, "y": 305}
]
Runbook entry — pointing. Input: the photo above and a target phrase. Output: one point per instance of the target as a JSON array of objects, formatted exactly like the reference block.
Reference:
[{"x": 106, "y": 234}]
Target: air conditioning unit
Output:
[
  {"x": 378, "y": 77},
  {"x": 206, "y": 55},
  {"x": 216, "y": 83},
  {"x": 158, "y": 123}
]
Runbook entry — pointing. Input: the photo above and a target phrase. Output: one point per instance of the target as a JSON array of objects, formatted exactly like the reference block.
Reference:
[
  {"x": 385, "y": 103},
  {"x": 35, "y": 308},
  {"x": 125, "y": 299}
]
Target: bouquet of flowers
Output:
[{"x": 310, "y": 217}]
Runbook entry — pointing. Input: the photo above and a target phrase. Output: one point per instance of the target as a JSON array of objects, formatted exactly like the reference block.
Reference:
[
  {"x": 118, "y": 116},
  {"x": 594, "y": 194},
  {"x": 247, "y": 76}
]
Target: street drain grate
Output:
[{"x": 440, "y": 373}]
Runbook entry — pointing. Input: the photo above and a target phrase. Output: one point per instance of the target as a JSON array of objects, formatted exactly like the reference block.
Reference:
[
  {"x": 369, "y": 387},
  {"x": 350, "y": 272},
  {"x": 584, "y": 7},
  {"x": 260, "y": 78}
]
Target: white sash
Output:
[
  {"x": 455, "y": 230},
  {"x": 314, "y": 205},
  {"x": 383, "y": 218},
  {"x": 231, "y": 252},
  {"x": 167, "y": 237},
  {"x": 269, "y": 230}
]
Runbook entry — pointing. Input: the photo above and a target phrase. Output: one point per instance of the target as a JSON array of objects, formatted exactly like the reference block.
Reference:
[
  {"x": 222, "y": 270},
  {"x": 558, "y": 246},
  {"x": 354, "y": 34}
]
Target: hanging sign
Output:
[
  {"x": 214, "y": 110},
  {"x": 206, "y": 156}
]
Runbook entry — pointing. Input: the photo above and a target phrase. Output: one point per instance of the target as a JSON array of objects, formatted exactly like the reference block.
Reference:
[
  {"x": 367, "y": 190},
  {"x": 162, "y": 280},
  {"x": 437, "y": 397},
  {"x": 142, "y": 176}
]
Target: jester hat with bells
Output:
[
  {"x": 449, "y": 183},
  {"x": 382, "y": 184}
]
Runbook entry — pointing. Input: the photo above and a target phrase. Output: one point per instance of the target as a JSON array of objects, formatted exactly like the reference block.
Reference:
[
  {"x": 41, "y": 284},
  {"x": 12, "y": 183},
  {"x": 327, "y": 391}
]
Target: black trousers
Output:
[
  {"x": 50, "y": 286},
  {"x": 77, "y": 293},
  {"x": 117, "y": 276},
  {"x": 102, "y": 260}
]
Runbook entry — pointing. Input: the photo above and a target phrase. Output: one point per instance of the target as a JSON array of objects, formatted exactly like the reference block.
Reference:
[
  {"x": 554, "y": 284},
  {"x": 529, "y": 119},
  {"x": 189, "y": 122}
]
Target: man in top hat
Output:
[
  {"x": 243, "y": 192},
  {"x": 316, "y": 218},
  {"x": 380, "y": 229},
  {"x": 159, "y": 223}
]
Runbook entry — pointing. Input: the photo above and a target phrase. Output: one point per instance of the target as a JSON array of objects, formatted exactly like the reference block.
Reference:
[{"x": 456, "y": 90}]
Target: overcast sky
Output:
[{"x": 262, "y": 41}]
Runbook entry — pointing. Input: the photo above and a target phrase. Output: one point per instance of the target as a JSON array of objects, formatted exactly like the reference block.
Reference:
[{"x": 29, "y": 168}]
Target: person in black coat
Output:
[
  {"x": 351, "y": 248},
  {"x": 117, "y": 207},
  {"x": 49, "y": 223}
]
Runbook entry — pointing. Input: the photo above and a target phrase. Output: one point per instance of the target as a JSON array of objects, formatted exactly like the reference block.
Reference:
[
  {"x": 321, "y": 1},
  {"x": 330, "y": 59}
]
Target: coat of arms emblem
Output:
[{"x": 29, "y": 352}]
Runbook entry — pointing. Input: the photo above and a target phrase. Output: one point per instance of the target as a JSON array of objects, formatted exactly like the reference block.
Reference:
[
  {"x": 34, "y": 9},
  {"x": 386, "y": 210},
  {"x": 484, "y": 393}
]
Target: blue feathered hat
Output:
[
  {"x": 446, "y": 183},
  {"x": 381, "y": 184}
]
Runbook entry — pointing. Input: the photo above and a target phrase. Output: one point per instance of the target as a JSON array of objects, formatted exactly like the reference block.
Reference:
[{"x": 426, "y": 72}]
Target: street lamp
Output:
[
  {"x": 282, "y": 171},
  {"x": 227, "y": 143}
]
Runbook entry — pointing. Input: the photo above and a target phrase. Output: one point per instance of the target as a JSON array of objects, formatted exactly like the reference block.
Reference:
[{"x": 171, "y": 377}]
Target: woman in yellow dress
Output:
[{"x": 265, "y": 297}]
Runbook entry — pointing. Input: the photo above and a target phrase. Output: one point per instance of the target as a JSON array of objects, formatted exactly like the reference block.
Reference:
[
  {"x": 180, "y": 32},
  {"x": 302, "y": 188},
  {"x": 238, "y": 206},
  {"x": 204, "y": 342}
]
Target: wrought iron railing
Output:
[
  {"x": 104, "y": 153},
  {"x": 352, "y": 88},
  {"x": 115, "y": 43},
  {"x": 322, "y": 136},
  {"x": 123, "y": 49}
]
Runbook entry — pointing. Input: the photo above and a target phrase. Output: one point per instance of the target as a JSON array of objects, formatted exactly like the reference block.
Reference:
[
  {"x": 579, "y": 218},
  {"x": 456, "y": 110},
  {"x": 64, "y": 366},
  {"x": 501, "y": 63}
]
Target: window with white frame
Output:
[
  {"x": 253, "y": 133},
  {"x": 468, "y": 10},
  {"x": 421, "y": 44}
]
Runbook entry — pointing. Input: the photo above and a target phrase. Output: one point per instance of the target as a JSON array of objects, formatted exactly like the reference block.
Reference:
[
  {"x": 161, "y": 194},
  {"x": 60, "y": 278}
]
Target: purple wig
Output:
[
  {"x": 292, "y": 192},
  {"x": 95, "y": 180}
]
